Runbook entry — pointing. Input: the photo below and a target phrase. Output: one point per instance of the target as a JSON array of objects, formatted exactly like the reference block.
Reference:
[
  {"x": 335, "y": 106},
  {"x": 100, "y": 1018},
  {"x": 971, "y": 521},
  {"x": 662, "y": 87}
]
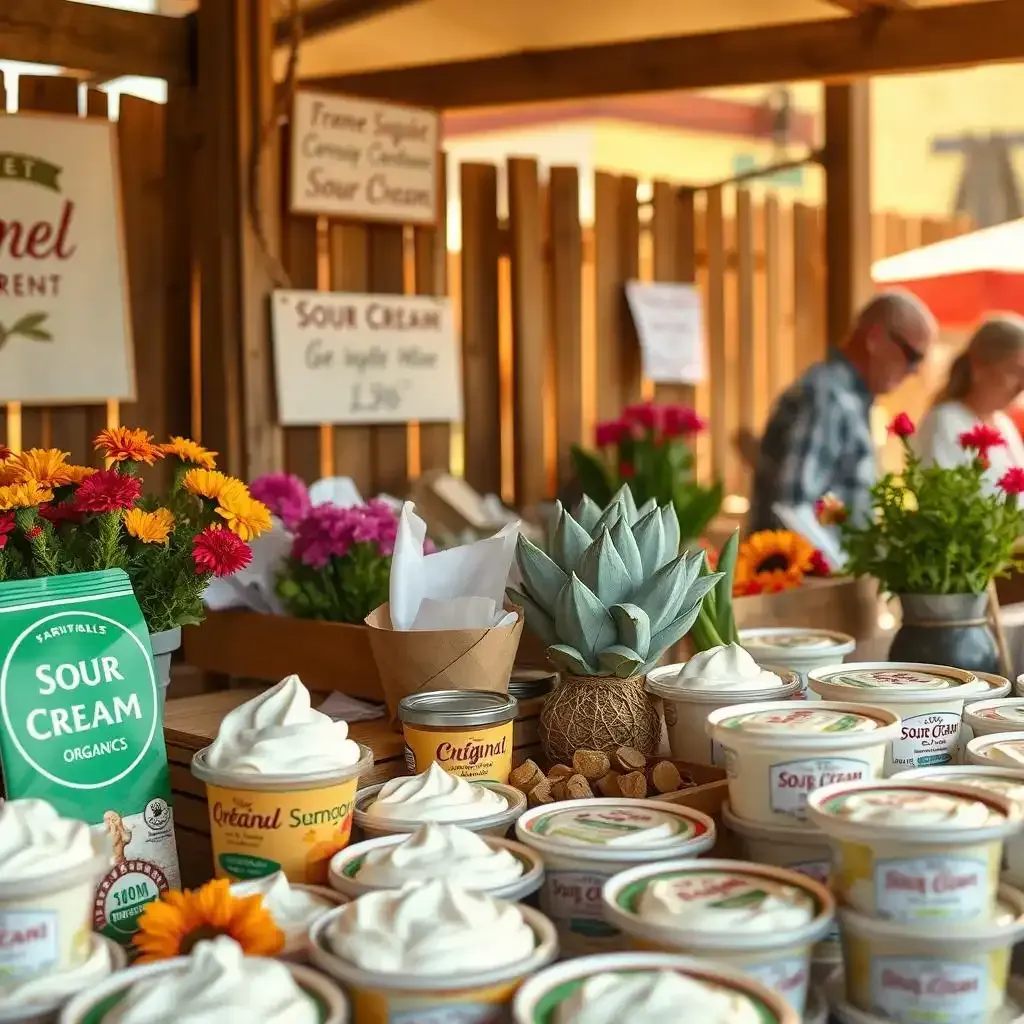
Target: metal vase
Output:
[{"x": 946, "y": 629}]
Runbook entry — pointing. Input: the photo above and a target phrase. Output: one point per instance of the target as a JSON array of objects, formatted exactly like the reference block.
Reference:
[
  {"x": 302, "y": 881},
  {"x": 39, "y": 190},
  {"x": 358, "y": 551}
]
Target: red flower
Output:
[
  {"x": 611, "y": 432},
  {"x": 748, "y": 589},
  {"x": 219, "y": 551},
  {"x": 33, "y": 531},
  {"x": 682, "y": 421},
  {"x": 106, "y": 491},
  {"x": 57, "y": 514},
  {"x": 1012, "y": 481},
  {"x": 830, "y": 511},
  {"x": 626, "y": 471},
  {"x": 819, "y": 567},
  {"x": 902, "y": 425},
  {"x": 646, "y": 415},
  {"x": 6, "y": 525},
  {"x": 981, "y": 438}
]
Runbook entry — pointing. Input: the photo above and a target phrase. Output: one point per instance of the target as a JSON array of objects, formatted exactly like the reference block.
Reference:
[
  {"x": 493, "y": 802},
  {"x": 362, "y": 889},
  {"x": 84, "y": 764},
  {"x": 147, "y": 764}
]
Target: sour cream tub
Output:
[
  {"x": 926, "y": 974},
  {"x": 1002, "y": 781},
  {"x": 776, "y": 754},
  {"x": 915, "y": 851},
  {"x": 997, "y": 750},
  {"x": 687, "y": 708},
  {"x": 761, "y": 920},
  {"x": 543, "y": 997},
  {"x": 584, "y": 842},
  {"x": 796, "y": 650},
  {"x": 929, "y": 699},
  {"x": 986, "y": 717},
  {"x": 998, "y": 687},
  {"x": 344, "y": 872}
]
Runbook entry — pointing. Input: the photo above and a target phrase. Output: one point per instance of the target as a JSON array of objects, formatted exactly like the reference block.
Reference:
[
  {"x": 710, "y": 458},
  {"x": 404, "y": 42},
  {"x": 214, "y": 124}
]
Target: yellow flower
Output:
[
  {"x": 48, "y": 466},
  {"x": 208, "y": 483},
  {"x": 245, "y": 516},
  {"x": 26, "y": 494},
  {"x": 173, "y": 924},
  {"x": 10, "y": 473},
  {"x": 78, "y": 473},
  {"x": 772, "y": 560},
  {"x": 188, "y": 451},
  {"x": 125, "y": 444},
  {"x": 149, "y": 527}
]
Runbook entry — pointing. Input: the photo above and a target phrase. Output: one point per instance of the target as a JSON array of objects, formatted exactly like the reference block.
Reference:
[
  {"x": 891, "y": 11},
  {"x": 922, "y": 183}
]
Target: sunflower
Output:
[
  {"x": 772, "y": 560},
  {"x": 209, "y": 483},
  {"x": 245, "y": 516},
  {"x": 47, "y": 466},
  {"x": 27, "y": 494},
  {"x": 188, "y": 451},
  {"x": 149, "y": 527},
  {"x": 125, "y": 444},
  {"x": 173, "y": 924}
]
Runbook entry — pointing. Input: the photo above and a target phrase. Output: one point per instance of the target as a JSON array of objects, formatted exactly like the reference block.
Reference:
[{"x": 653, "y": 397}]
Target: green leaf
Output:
[
  {"x": 725, "y": 620},
  {"x": 609, "y": 517},
  {"x": 587, "y": 514},
  {"x": 661, "y": 597},
  {"x": 625, "y": 545},
  {"x": 592, "y": 475},
  {"x": 670, "y": 523},
  {"x": 542, "y": 578},
  {"x": 538, "y": 621},
  {"x": 671, "y": 633},
  {"x": 634, "y": 627},
  {"x": 582, "y": 621},
  {"x": 29, "y": 322},
  {"x": 648, "y": 506},
  {"x": 620, "y": 661},
  {"x": 35, "y": 335},
  {"x": 625, "y": 495},
  {"x": 649, "y": 534},
  {"x": 603, "y": 571},
  {"x": 568, "y": 541},
  {"x": 568, "y": 659}
]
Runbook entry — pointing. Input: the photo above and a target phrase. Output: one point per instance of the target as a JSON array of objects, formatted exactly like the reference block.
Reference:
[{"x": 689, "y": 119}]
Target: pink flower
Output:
[
  {"x": 682, "y": 421},
  {"x": 611, "y": 432},
  {"x": 1012, "y": 481},
  {"x": 220, "y": 552},
  {"x": 830, "y": 511},
  {"x": 284, "y": 494},
  {"x": 902, "y": 425},
  {"x": 646, "y": 415},
  {"x": 106, "y": 491},
  {"x": 981, "y": 438},
  {"x": 328, "y": 531},
  {"x": 6, "y": 525}
]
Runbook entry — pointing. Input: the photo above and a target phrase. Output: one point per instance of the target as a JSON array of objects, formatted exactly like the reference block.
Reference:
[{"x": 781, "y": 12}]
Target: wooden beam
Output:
[
  {"x": 905, "y": 40},
  {"x": 847, "y": 204},
  {"x": 334, "y": 14},
  {"x": 860, "y": 6},
  {"x": 105, "y": 41}
]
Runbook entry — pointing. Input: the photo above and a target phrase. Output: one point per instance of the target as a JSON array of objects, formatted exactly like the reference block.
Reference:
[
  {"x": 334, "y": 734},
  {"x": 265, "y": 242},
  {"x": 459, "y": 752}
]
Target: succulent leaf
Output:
[
  {"x": 649, "y": 534},
  {"x": 615, "y": 511},
  {"x": 542, "y": 578},
  {"x": 537, "y": 619},
  {"x": 625, "y": 545},
  {"x": 568, "y": 542},
  {"x": 663, "y": 594},
  {"x": 670, "y": 634},
  {"x": 620, "y": 661},
  {"x": 603, "y": 571},
  {"x": 568, "y": 659},
  {"x": 647, "y": 506},
  {"x": 625, "y": 495},
  {"x": 587, "y": 513},
  {"x": 634, "y": 626},
  {"x": 670, "y": 522},
  {"x": 582, "y": 621}
]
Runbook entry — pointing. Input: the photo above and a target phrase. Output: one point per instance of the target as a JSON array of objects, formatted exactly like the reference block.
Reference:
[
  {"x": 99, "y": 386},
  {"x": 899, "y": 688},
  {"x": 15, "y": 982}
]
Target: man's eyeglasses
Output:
[{"x": 913, "y": 357}]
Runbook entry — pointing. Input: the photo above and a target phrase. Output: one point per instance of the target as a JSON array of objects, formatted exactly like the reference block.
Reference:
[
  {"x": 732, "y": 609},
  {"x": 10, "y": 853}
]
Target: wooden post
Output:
[{"x": 847, "y": 204}]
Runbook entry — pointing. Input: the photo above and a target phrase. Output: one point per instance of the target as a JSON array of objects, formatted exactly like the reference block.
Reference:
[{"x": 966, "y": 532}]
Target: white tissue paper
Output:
[{"x": 459, "y": 588}]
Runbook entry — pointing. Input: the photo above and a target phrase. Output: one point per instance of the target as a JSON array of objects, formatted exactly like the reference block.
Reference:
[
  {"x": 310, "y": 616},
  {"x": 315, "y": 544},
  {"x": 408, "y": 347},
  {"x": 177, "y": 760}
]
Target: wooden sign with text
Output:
[
  {"x": 343, "y": 358},
  {"x": 65, "y": 333},
  {"x": 363, "y": 160}
]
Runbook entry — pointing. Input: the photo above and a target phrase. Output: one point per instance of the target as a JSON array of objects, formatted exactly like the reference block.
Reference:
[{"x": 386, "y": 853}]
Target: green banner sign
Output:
[{"x": 21, "y": 167}]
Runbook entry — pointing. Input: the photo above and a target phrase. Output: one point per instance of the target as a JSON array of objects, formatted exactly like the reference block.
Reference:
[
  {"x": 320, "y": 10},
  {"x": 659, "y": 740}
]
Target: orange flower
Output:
[
  {"x": 79, "y": 473},
  {"x": 770, "y": 561},
  {"x": 173, "y": 924},
  {"x": 48, "y": 466},
  {"x": 27, "y": 494},
  {"x": 245, "y": 516},
  {"x": 149, "y": 527},
  {"x": 126, "y": 444},
  {"x": 208, "y": 483},
  {"x": 188, "y": 451}
]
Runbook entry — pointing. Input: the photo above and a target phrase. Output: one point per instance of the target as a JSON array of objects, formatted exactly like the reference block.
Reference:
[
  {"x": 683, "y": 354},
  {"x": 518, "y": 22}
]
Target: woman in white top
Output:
[{"x": 984, "y": 380}]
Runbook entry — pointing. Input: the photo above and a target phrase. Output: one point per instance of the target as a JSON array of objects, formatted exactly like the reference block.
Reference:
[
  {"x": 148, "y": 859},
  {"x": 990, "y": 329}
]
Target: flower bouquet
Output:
[{"x": 649, "y": 450}]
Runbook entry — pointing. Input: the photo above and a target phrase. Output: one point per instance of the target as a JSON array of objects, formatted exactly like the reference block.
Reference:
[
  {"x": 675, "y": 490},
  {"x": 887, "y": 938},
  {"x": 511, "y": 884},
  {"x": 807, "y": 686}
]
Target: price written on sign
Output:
[
  {"x": 343, "y": 358},
  {"x": 670, "y": 327},
  {"x": 363, "y": 159}
]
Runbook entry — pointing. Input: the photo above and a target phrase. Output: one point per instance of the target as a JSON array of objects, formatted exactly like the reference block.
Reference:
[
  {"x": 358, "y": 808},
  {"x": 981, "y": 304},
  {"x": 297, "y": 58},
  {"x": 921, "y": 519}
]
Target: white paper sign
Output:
[
  {"x": 669, "y": 322},
  {"x": 363, "y": 159},
  {"x": 344, "y": 358},
  {"x": 65, "y": 333}
]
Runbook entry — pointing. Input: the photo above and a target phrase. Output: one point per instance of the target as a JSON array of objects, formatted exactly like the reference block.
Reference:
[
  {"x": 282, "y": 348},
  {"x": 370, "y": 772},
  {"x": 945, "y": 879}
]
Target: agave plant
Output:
[{"x": 613, "y": 593}]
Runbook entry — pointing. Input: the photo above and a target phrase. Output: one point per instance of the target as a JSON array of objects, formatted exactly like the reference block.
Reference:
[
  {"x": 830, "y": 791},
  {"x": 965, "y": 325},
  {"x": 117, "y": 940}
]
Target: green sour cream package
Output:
[{"x": 81, "y": 727}]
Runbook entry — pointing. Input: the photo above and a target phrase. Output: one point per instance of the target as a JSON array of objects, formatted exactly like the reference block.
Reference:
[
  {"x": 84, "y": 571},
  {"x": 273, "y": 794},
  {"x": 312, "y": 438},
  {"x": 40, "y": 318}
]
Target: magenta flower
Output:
[
  {"x": 682, "y": 421},
  {"x": 645, "y": 414},
  {"x": 284, "y": 494},
  {"x": 328, "y": 531},
  {"x": 611, "y": 432}
]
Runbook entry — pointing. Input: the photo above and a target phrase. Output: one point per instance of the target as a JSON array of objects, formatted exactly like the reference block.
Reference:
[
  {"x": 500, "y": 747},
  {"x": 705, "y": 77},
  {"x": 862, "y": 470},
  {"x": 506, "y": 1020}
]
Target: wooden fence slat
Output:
[
  {"x": 607, "y": 321},
  {"x": 932, "y": 230},
  {"x": 566, "y": 314},
  {"x": 530, "y": 327},
  {"x": 629, "y": 270},
  {"x": 718, "y": 370},
  {"x": 431, "y": 272},
  {"x": 387, "y": 276},
  {"x": 348, "y": 245},
  {"x": 776, "y": 370},
  {"x": 748, "y": 371},
  {"x": 481, "y": 376},
  {"x": 804, "y": 255}
]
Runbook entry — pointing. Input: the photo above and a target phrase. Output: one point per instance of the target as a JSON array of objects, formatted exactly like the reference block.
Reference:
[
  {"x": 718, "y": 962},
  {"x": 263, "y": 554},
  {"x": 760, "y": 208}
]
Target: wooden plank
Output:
[
  {"x": 746, "y": 348},
  {"x": 431, "y": 278},
  {"x": 775, "y": 375},
  {"x": 847, "y": 205},
  {"x": 350, "y": 272},
  {"x": 330, "y": 15},
  {"x": 105, "y": 41},
  {"x": 718, "y": 370},
  {"x": 607, "y": 296},
  {"x": 480, "y": 362},
  {"x": 905, "y": 40},
  {"x": 629, "y": 270},
  {"x": 804, "y": 250},
  {"x": 932, "y": 230},
  {"x": 895, "y": 234},
  {"x": 530, "y": 330},
  {"x": 566, "y": 249}
]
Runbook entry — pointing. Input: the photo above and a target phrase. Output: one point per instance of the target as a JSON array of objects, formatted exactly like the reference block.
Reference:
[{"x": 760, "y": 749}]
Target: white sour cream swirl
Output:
[
  {"x": 218, "y": 984},
  {"x": 654, "y": 997},
  {"x": 435, "y": 795},
  {"x": 35, "y": 841},
  {"x": 443, "y": 852},
  {"x": 909, "y": 808},
  {"x": 721, "y": 902},
  {"x": 56, "y": 986},
  {"x": 430, "y": 928},
  {"x": 279, "y": 733},
  {"x": 728, "y": 667},
  {"x": 293, "y": 909}
]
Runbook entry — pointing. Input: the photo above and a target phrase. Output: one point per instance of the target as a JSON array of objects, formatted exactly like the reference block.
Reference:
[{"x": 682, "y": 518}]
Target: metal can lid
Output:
[
  {"x": 531, "y": 682},
  {"x": 458, "y": 708}
]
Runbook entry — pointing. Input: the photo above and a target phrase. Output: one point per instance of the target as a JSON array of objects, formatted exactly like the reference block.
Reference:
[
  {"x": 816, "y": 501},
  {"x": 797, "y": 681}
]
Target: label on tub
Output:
[
  {"x": 29, "y": 942},
  {"x": 787, "y": 976},
  {"x": 932, "y": 888},
  {"x": 818, "y": 870},
  {"x": 926, "y": 740},
  {"x": 572, "y": 899},
  {"x": 904, "y": 988},
  {"x": 791, "y": 782}
]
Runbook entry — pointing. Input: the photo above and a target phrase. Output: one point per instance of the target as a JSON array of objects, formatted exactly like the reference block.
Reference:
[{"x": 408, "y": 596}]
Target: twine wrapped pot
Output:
[{"x": 598, "y": 713}]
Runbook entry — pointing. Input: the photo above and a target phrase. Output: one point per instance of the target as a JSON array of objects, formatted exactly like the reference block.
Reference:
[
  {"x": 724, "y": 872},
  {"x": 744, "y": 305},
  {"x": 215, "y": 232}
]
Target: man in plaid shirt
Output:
[{"x": 818, "y": 439}]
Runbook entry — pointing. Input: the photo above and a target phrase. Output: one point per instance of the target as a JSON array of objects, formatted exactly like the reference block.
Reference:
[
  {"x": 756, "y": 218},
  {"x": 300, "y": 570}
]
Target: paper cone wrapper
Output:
[{"x": 417, "y": 660}]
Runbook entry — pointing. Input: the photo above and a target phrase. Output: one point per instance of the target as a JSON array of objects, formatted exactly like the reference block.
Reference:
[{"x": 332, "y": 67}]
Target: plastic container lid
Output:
[
  {"x": 785, "y": 641},
  {"x": 836, "y": 725},
  {"x": 661, "y": 682},
  {"x": 458, "y": 708}
]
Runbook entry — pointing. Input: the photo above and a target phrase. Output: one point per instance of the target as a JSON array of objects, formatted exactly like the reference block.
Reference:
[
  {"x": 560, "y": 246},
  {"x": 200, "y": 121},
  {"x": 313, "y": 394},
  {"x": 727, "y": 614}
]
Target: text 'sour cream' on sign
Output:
[
  {"x": 65, "y": 334},
  {"x": 363, "y": 159},
  {"x": 342, "y": 358}
]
